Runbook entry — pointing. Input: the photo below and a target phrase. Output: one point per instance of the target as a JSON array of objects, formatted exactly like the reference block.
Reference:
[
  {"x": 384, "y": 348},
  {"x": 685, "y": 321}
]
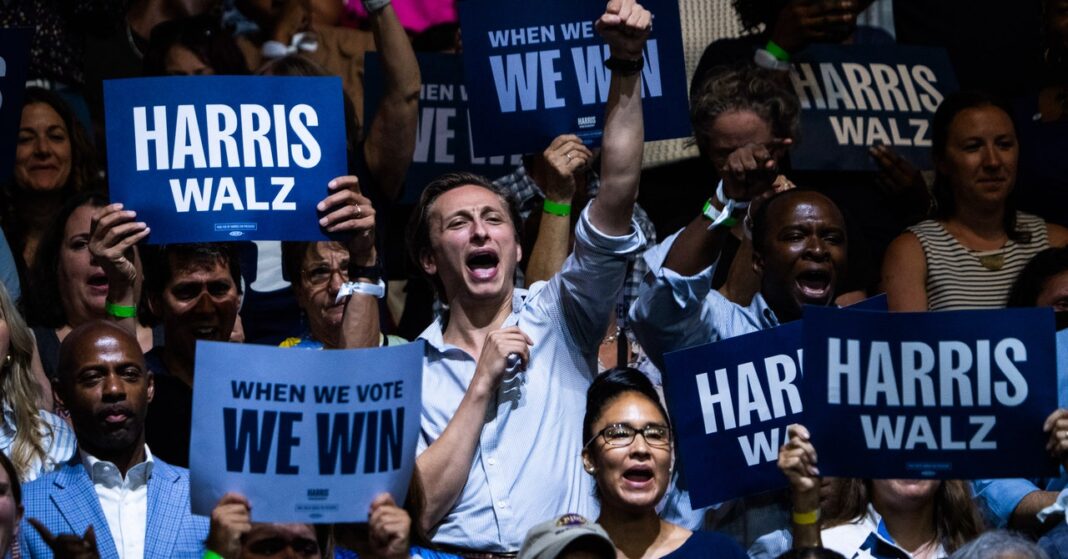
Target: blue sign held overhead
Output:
[
  {"x": 950, "y": 395},
  {"x": 443, "y": 138},
  {"x": 14, "y": 65},
  {"x": 307, "y": 436},
  {"x": 535, "y": 70},
  {"x": 222, "y": 158},
  {"x": 857, "y": 96}
]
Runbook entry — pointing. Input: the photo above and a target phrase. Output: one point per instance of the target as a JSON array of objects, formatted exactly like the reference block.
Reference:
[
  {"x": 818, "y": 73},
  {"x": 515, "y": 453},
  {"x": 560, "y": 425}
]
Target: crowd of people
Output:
[{"x": 554, "y": 289}]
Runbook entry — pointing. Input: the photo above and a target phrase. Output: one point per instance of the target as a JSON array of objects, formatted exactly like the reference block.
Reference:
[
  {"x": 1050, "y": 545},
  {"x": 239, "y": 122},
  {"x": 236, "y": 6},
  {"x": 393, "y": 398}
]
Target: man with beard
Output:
[{"x": 136, "y": 505}]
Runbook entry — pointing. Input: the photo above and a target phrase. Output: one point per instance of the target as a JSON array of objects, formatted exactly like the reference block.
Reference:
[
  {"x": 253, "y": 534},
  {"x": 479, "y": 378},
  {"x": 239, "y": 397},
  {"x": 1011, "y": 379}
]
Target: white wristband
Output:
[
  {"x": 724, "y": 200},
  {"x": 377, "y": 290}
]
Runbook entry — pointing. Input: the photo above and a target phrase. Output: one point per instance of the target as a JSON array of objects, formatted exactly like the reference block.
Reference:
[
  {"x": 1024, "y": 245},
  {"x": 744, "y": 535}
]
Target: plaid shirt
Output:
[{"x": 530, "y": 198}]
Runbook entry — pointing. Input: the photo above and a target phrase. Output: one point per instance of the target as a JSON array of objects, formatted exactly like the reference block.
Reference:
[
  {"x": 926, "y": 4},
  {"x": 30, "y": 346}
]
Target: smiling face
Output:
[
  {"x": 631, "y": 477},
  {"x": 474, "y": 249},
  {"x": 903, "y": 495},
  {"x": 104, "y": 384},
  {"x": 324, "y": 268},
  {"x": 199, "y": 302},
  {"x": 980, "y": 157},
  {"x": 83, "y": 286},
  {"x": 803, "y": 254},
  {"x": 43, "y": 154}
]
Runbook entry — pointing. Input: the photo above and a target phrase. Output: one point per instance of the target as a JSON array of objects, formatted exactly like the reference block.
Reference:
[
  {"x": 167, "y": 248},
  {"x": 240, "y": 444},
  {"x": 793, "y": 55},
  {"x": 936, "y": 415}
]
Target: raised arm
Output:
[
  {"x": 348, "y": 211},
  {"x": 797, "y": 460},
  {"x": 625, "y": 26},
  {"x": 563, "y": 159},
  {"x": 390, "y": 143},
  {"x": 750, "y": 172},
  {"x": 113, "y": 232}
]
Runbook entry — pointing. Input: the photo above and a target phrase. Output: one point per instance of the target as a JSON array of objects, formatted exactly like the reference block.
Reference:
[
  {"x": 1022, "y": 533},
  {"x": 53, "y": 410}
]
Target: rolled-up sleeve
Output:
[
  {"x": 672, "y": 311},
  {"x": 592, "y": 277},
  {"x": 998, "y": 498}
]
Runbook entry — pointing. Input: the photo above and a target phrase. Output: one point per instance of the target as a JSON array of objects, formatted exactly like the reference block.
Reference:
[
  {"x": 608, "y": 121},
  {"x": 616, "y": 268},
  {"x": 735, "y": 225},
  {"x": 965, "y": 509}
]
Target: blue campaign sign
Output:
[
  {"x": 223, "y": 158},
  {"x": 535, "y": 70},
  {"x": 443, "y": 139},
  {"x": 950, "y": 395},
  {"x": 730, "y": 402},
  {"x": 14, "y": 64},
  {"x": 1062, "y": 368},
  {"x": 306, "y": 435},
  {"x": 856, "y": 96}
]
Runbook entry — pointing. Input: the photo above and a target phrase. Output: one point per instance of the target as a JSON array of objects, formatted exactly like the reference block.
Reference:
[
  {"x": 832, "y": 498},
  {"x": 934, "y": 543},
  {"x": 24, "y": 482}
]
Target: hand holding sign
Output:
[
  {"x": 68, "y": 546},
  {"x": 230, "y": 521},
  {"x": 625, "y": 25},
  {"x": 389, "y": 529},
  {"x": 566, "y": 157},
  {"x": 751, "y": 170},
  {"x": 347, "y": 210},
  {"x": 112, "y": 236},
  {"x": 901, "y": 180},
  {"x": 1057, "y": 427}
]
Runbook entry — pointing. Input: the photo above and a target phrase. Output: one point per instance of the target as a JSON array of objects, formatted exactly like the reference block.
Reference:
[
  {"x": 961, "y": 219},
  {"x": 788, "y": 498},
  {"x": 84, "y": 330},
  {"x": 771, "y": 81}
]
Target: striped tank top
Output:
[{"x": 960, "y": 278}]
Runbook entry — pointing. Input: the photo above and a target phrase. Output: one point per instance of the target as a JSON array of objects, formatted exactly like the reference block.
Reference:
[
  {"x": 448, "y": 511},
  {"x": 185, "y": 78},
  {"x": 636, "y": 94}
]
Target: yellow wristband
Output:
[{"x": 807, "y": 518}]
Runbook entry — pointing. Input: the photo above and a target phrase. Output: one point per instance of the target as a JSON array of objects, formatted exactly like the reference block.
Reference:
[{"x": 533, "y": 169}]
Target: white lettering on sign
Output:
[{"x": 252, "y": 136}]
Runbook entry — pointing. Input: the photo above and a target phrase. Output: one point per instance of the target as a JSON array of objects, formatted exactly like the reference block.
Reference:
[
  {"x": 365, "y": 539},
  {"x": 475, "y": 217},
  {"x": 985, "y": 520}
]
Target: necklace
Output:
[{"x": 992, "y": 262}]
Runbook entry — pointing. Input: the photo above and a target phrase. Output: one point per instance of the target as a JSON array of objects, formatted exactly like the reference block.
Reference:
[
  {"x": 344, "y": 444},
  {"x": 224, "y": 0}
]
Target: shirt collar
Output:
[
  {"x": 435, "y": 333},
  {"x": 760, "y": 309},
  {"x": 102, "y": 472}
]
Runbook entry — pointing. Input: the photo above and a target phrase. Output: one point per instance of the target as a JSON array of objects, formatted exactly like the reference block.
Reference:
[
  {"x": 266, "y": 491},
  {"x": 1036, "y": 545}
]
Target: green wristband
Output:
[
  {"x": 778, "y": 52},
  {"x": 120, "y": 311},
  {"x": 209, "y": 554},
  {"x": 553, "y": 208}
]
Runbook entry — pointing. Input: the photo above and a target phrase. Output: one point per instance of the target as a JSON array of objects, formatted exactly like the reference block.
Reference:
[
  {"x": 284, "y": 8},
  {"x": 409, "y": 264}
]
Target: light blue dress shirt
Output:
[
  {"x": 675, "y": 312},
  {"x": 528, "y": 466}
]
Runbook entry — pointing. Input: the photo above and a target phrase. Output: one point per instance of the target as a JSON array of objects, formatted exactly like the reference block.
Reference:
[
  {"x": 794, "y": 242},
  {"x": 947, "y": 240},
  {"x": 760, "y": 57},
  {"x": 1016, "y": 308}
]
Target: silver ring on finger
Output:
[
  {"x": 359, "y": 210},
  {"x": 569, "y": 156}
]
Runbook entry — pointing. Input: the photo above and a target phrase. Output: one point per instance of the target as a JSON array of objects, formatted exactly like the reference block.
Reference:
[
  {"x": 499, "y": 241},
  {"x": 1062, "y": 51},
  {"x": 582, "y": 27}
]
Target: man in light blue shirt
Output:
[
  {"x": 799, "y": 252},
  {"x": 507, "y": 370}
]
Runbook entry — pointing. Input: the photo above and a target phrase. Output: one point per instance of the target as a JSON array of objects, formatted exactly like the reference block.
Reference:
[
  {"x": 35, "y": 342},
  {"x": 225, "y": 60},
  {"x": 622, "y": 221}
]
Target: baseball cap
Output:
[{"x": 549, "y": 539}]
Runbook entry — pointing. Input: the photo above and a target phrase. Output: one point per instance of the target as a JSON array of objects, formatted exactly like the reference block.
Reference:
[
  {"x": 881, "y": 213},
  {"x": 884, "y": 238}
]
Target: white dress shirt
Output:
[{"x": 124, "y": 500}]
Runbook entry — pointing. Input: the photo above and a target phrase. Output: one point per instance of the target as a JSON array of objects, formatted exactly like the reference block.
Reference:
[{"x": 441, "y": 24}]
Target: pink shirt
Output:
[{"x": 414, "y": 15}]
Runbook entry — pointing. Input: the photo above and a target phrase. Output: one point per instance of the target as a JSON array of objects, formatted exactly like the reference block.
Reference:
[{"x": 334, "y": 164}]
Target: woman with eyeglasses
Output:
[
  {"x": 629, "y": 453},
  {"x": 319, "y": 271}
]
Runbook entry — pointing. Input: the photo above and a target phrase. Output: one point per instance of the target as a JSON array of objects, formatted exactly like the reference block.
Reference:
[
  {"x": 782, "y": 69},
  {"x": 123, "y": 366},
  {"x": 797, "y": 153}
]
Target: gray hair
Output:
[{"x": 1000, "y": 543}]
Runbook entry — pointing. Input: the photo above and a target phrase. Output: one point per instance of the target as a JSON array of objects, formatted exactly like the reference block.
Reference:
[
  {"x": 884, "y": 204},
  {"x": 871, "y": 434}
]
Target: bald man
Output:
[{"x": 137, "y": 506}]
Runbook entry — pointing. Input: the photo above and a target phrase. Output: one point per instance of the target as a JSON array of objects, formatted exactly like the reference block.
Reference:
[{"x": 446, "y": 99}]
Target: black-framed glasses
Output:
[
  {"x": 320, "y": 275},
  {"x": 304, "y": 547},
  {"x": 621, "y": 434}
]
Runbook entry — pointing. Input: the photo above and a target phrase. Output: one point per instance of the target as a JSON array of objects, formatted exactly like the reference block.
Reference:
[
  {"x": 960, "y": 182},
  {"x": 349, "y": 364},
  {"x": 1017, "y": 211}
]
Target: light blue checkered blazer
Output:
[{"x": 66, "y": 502}]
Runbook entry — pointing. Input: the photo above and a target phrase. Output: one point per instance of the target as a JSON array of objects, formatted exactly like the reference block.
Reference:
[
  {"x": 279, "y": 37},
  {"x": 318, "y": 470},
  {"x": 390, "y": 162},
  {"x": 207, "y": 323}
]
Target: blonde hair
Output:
[{"x": 20, "y": 391}]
